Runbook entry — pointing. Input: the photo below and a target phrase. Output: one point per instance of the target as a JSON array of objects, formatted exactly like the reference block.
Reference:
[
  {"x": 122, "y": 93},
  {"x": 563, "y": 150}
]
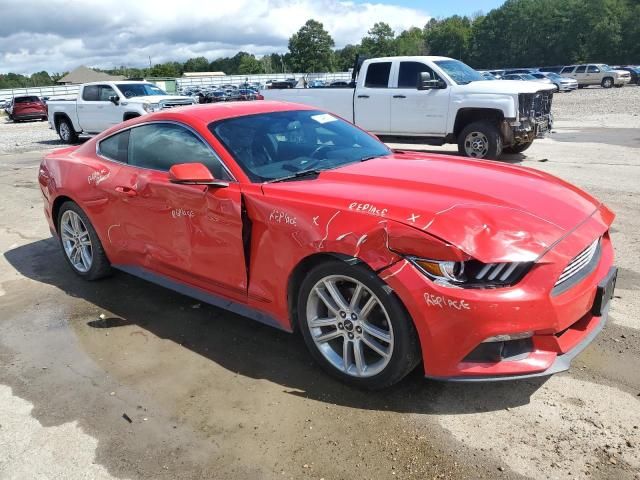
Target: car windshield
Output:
[
  {"x": 26, "y": 99},
  {"x": 527, "y": 76},
  {"x": 131, "y": 90},
  {"x": 554, "y": 76},
  {"x": 606, "y": 68},
  {"x": 280, "y": 145},
  {"x": 461, "y": 73}
]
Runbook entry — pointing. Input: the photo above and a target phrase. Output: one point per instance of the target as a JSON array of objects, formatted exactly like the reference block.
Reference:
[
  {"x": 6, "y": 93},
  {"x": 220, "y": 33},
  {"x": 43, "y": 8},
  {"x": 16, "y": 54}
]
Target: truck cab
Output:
[{"x": 101, "y": 105}]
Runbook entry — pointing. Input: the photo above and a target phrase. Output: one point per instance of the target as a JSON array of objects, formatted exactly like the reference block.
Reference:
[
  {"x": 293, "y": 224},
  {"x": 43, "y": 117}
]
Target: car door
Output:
[
  {"x": 593, "y": 75},
  {"x": 580, "y": 74},
  {"x": 96, "y": 112},
  {"x": 372, "y": 105},
  {"x": 189, "y": 233},
  {"x": 416, "y": 111}
]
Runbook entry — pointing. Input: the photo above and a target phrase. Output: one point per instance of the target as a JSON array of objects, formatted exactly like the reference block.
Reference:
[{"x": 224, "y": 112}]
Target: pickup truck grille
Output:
[
  {"x": 175, "y": 103},
  {"x": 535, "y": 105}
]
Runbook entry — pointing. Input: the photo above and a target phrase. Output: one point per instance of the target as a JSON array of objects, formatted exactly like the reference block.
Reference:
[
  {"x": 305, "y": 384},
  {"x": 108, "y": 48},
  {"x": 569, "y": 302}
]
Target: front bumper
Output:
[
  {"x": 621, "y": 80},
  {"x": 562, "y": 324}
]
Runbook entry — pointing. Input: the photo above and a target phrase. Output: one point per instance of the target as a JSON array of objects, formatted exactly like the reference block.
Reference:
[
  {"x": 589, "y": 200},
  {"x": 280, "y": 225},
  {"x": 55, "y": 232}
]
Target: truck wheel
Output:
[
  {"x": 607, "y": 82},
  {"x": 581, "y": 86},
  {"x": 480, "y": 140},
  {"x": 519, "y": 148},
  {"x": 66, "y": 131}
]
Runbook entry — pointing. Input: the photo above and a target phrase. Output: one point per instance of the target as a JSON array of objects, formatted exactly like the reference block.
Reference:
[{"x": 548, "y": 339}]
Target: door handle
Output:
[
  {"x": 128, "y": 191},
  {"x": 399, "y": 96},
  {"x": 363, "y": 96}
]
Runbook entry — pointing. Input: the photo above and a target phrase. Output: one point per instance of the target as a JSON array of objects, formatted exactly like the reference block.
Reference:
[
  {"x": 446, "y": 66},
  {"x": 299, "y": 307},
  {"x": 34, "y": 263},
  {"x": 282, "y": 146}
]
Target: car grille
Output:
[
  {"x": 535, "y": 105},
  {"x": 577, "y": 268},
  {"x": 175, "y": 103}
]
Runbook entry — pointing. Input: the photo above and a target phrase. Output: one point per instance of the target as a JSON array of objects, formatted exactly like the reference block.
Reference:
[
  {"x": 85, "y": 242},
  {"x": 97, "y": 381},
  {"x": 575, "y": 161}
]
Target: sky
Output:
[{"x": 59, "y": 35}]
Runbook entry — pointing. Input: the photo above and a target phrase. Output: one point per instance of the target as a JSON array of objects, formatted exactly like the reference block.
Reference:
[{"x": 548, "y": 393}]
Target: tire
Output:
[
  {"x": 581, "y": 86},
  {"x": 66, "y": 132},
  {"x": 521, "y": 147},
  {"x": 480, "y": 140},
  {"x": 386, "y": 319},
  {"x": 43, "y": 119},
  {"x": 89, "y": 260},
  {"x": 607, "y": 82}
]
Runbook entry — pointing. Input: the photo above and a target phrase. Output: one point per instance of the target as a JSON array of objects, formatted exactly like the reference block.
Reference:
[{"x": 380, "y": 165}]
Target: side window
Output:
[
  {"x": 104, "y": 92},
  {"x": 581, "y": 69},
  {"x": 159, "y": 146},
  {"x": 90, "y": 93},
  {"x": 378, "y": 75},
  {"x": 115, "y": 147},
  {"x": 410, "y": 72},
  {"x": 593, "y": 69}
]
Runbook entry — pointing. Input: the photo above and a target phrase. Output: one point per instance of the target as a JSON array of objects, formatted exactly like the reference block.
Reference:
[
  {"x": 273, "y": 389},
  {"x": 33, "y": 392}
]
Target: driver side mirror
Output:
[
  {"x": 426, "y": 82},
  {"x": 114, "y": 99},
  {"x": 193, "y": 174}
]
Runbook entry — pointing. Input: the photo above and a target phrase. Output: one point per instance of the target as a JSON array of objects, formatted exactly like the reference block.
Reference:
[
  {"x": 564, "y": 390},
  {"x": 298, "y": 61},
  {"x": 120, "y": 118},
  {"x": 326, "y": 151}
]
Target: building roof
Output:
[
  {"x": 84, "y": 74},
  {"x": 203, "y": 74}
]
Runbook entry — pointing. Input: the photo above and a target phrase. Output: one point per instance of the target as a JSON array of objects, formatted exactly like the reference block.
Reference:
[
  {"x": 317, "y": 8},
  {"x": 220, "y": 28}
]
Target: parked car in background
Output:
[
  {"x": 596, "y": 74},
  {"x": 554, "y": 69},
  {"x": 216, "y": 96},
  {"x": 497, "y": 73},
  {"x": 527, "y": 77},
  {"x": 487, "y": 76},
  {"x": 382, "y": 260},
  {"x": 436, "y": 100},
  {"x": 339, "y": 84},
  {"x": 634, "y": 71},
  {"x": 100, "y": 105},
  {"x": 519, "y": 70},
  {"x": 317, "y": 84},
  {"x": 563, "y": 84},
  {"x": 26, "y": 107}
]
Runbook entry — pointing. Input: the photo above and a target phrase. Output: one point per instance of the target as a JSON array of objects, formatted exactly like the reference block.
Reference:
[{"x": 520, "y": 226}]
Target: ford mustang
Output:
[{"x": 382, "y": 259}]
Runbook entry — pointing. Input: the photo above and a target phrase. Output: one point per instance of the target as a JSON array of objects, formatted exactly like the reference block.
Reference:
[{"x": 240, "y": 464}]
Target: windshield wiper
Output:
[{"x": 300, "y": 174}]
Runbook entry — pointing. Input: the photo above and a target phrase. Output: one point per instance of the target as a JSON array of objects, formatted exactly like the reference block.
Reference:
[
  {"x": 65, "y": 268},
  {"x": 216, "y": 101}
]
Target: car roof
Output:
[{"x": 121, "y": 82}]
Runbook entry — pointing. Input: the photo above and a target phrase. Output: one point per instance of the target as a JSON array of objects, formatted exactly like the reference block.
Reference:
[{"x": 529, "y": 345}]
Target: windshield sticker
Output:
[
  {"x": 324, "y": 118},
  {"x": 368, "y": 208}
]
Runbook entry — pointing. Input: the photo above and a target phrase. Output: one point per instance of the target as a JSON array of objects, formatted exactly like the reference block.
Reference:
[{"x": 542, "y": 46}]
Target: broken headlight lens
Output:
[{"x": 472, "y": 273}]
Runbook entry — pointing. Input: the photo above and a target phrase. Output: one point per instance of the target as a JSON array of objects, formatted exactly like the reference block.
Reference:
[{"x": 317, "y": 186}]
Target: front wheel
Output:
[
  {"x": 480, "y": 140},
  {"x": 607, "y": 82},
  {"x": 354, "y": 328}
]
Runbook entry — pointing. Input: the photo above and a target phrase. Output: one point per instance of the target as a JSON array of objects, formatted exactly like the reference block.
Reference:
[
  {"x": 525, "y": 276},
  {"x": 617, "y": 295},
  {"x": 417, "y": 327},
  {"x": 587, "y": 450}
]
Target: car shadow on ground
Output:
[{"x": 248, "y": 348}]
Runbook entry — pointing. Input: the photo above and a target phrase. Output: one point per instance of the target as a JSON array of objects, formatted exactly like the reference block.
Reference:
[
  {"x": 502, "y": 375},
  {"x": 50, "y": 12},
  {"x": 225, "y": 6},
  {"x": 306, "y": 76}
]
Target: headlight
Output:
[
  {"x": 151, "y": 107},
  {"x": 472, "y": 273}
]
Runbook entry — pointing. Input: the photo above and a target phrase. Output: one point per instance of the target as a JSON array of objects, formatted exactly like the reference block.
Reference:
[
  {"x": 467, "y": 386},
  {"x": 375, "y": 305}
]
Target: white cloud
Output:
[{"x": 60, "y": 35}]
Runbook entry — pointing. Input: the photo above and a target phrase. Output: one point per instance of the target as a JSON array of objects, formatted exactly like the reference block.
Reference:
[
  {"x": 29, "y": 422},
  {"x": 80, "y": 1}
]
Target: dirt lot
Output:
[{"x": 123, "y": 379}]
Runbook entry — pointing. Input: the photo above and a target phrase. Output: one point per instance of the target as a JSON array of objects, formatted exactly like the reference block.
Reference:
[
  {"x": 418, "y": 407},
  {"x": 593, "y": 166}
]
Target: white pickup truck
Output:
[
  {"x": 436, "y": 100},
  {"x": 100, "y": 105}
]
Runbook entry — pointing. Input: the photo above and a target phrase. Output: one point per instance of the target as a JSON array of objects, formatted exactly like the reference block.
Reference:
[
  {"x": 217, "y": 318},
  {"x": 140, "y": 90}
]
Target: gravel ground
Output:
[{"x": 26, "y": 136}]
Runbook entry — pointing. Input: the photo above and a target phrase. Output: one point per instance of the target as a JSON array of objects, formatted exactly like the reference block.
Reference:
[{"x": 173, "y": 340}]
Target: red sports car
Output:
[{"x": 383, "y": 259}]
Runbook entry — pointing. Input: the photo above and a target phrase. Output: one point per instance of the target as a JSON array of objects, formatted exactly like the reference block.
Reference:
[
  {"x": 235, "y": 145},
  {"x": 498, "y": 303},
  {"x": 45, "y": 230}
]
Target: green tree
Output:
[
  {"x": 379, "y": 41},
  {"x": 345, "y": 57},
  {"x": 167, "y": 69},
  {"x": 411, "y": 42},
  {"x": 249, "y": 65},
  {"x": 449, "y": 37},
  {"x": 310, "y": 48},
  {"x": 197, "y": 64}
]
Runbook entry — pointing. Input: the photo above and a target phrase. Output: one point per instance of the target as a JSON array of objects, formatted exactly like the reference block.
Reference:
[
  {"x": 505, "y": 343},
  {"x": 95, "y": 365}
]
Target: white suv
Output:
[{"x": 596, "y": 74}]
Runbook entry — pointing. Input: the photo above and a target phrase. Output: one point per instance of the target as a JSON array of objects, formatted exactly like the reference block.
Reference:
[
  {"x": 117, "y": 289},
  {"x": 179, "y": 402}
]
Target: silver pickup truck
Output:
[{"x": 100, "y": 105}]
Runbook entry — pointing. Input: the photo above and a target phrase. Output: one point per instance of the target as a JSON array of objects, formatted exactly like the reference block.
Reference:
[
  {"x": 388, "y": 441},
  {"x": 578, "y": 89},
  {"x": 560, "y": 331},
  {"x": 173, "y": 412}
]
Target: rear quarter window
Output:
[{"x": 115, "y": 147}]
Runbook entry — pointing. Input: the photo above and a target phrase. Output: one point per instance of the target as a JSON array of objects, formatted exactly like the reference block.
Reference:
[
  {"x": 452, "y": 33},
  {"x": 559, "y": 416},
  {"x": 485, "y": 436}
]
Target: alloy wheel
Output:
[
  {"x": 76, "y": 241},
  {"x": 349, "y": 326},
  {"x": 64, "y": 131}
]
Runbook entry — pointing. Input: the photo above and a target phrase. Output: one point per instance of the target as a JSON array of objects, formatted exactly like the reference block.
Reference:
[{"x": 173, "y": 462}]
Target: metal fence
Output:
[{"x": 71, "y": 91}]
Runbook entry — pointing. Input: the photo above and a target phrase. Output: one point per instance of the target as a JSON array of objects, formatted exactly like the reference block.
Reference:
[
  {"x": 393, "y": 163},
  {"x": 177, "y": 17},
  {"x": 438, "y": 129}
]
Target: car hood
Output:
[
  {"x": 512, "y": 87},
  {"x": 491, "y": 211}
]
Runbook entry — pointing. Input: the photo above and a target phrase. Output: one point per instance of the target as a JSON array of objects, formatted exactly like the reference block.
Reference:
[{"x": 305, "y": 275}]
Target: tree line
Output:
[{"x": 520, "y": 33}]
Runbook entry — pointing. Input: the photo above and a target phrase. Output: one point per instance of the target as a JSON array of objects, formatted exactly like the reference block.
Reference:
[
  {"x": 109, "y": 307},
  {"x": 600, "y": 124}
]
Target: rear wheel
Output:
[
  {"x": 607, "y": 82},
  {"x": 80, "y": 243},
  {"x": 480, "y": 140},
  {"x": 354, "y": 328},
  {"x": 66, "y": 131}
]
